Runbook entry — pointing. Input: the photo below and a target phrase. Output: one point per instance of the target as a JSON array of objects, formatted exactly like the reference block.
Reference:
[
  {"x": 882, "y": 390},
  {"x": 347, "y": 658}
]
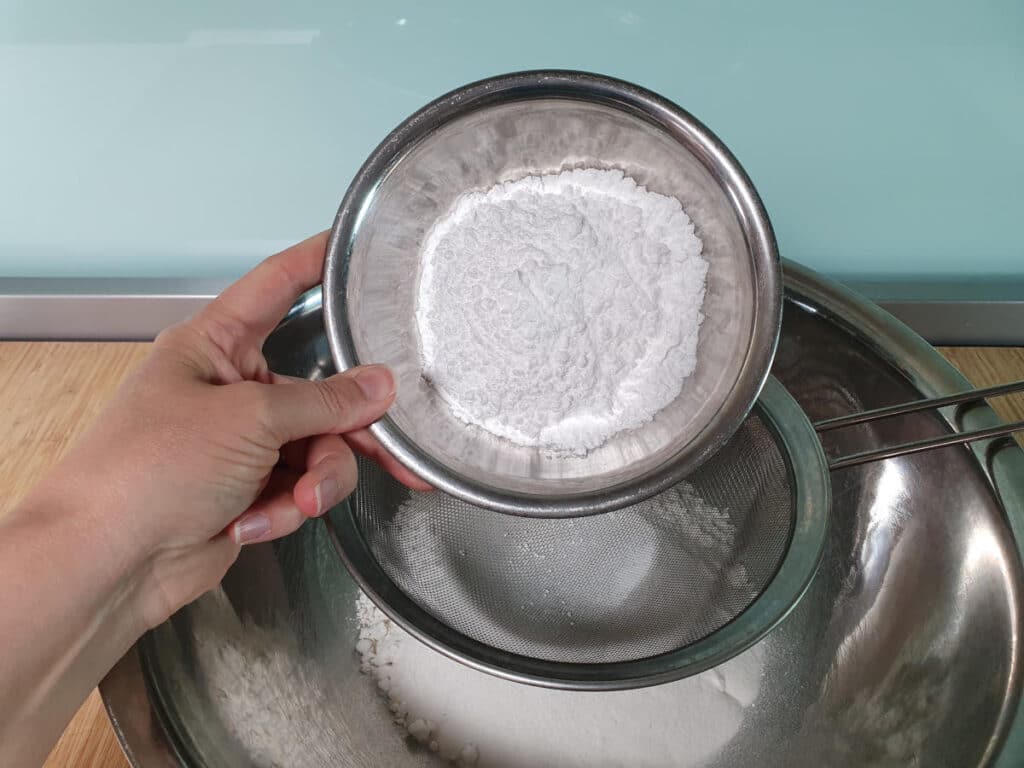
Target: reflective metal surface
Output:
[
  {"x": 514, "y": 597},
  {"x": 905, "y": 650},
  {"x": 531, "y": 123},
  {"x": 924, "y": 444}
]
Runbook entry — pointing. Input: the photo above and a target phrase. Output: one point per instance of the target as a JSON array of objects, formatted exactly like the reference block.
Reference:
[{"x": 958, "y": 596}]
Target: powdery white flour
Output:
[
  {"x": 472, "y": 718},
  {"x": 285, "y": 710},
  {"x": 269, "y": 699},
  {"x": 558, "y": 310}
]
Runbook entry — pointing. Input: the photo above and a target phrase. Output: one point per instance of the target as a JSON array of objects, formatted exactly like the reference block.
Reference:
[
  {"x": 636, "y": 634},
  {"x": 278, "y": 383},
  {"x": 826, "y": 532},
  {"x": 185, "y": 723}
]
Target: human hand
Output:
[{"x": 203, "y": 449}]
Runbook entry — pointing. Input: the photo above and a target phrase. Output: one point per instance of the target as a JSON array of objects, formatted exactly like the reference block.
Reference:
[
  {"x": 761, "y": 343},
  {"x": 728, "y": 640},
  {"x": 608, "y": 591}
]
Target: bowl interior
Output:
[{"x": 507, "y": 141}]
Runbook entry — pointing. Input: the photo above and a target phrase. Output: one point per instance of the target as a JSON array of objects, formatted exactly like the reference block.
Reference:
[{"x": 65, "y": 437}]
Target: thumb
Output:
[{"x": 340, "y": 404}]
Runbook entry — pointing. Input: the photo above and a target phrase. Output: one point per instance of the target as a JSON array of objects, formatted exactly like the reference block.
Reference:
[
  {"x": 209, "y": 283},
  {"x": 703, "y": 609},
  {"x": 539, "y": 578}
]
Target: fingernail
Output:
[
  {"x": 327, "y": 491},
  {"x": 250, "y": 528},
  {"x": 376, "y": 382}
]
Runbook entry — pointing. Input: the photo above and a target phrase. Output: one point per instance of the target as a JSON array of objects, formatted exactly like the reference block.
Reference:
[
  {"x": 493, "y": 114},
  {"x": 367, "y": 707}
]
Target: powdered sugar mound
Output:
[
  {"x": 558, "y": 310},
  {"x": 275, "y": 704},
  {"x": 472, "y": 718}
]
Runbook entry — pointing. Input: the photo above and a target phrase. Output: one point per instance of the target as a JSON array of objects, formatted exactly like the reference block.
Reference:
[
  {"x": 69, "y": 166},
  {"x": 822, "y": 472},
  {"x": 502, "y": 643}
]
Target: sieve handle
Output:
[
  {"x": 918, "y": 446},
  {"x": 877, "y": 454},
  {"x": 918, "y": 405}
]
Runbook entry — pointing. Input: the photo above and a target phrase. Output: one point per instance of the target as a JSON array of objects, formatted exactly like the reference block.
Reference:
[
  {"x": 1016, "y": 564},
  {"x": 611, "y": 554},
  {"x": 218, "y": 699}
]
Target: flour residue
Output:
[
  {"x": 470, "y": 718},
  {"x": 558, "y": 310}
]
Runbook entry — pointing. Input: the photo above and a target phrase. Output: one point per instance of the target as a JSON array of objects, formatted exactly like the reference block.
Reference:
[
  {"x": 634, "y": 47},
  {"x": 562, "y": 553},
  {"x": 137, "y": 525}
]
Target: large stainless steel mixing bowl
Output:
[
  {"x": 528, "y": 124},
  {"x": 905, "y": 651}
]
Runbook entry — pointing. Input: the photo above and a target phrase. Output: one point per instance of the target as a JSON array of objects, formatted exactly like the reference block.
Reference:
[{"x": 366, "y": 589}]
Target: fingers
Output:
[
  {"x": 272, "y": 515},
  {"x": 338, "y": 404},
  {"x": 291, "y": 496},
  {"x": 331, "y": 477},
  {"x": 305, "y": 453},
  {"x": 365, "y": 443},
  {"x": 258, "y": 301},
  {"x": 330, "y": 468}
]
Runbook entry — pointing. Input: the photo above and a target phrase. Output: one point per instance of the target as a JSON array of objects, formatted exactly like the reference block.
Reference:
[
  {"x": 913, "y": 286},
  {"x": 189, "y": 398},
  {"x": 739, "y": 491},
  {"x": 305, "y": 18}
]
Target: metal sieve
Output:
[
  {"x": 646, "y": 594},
  {"x": 503, "y": 129},
  {"x": 650, "y": 593}
]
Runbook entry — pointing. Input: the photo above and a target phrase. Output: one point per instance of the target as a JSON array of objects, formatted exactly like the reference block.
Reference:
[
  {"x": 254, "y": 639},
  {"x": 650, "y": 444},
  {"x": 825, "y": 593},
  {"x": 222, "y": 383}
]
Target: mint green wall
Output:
[{"x": 885, "y": 137}]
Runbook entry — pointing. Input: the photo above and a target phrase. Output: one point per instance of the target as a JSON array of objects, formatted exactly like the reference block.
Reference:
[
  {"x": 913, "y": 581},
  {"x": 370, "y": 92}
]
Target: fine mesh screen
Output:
[{"x": 613, "y": 587}]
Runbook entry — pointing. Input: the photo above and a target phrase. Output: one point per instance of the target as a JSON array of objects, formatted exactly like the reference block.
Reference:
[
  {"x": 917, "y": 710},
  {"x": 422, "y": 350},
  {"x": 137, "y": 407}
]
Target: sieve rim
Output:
[
  {"x": 807, "y": 467},
  {"x": 747, "y": 205}
]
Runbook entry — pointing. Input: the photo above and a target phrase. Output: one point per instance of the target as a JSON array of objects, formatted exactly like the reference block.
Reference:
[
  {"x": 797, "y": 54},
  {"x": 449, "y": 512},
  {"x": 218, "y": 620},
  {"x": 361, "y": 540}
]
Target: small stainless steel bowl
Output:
[{"x": 531, "y": 123}]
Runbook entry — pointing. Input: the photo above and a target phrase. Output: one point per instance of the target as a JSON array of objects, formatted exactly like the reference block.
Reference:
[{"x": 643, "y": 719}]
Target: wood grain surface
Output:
[
  {"x": 986, "y": 367},
  {"x": 51, "y": 391}
]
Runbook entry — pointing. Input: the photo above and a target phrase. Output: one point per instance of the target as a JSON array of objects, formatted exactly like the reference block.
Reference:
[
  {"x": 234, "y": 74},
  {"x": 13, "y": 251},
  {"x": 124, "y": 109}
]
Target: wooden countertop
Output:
[{"x": 50, "y": 391}]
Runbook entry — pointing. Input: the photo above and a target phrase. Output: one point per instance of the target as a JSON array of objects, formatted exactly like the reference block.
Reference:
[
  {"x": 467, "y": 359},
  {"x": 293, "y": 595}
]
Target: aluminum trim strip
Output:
[{"x": 137, "y": 309}]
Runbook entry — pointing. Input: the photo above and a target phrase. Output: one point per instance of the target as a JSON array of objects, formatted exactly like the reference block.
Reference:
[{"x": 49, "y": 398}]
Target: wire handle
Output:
[{"x": 918, "y": 446}]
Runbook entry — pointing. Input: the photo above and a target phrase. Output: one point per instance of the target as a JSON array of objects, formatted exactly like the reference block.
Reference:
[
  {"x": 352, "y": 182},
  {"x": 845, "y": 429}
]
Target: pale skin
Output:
[{"x": 202, "y": 451}]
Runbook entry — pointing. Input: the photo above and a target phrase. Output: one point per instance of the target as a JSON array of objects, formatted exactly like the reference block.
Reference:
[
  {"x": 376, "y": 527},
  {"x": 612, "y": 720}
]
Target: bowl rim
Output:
[{"x": 642, "y": 103}]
